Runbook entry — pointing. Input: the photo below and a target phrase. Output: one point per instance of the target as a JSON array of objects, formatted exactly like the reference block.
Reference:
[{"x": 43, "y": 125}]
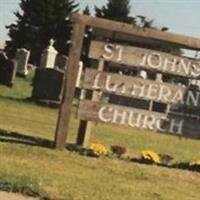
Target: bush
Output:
[
  {"x": 118, "y": 150},
  {"x": 150, "y": 157},
  {"x": 165, "y": 159},
  {"x": 98, "y": 150}
]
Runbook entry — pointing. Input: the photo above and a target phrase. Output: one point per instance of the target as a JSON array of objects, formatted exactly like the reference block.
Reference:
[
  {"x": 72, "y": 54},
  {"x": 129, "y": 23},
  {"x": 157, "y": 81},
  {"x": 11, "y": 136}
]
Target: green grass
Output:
[
  {"x": 27, "y": 165},
  {"x": 22, "y": 89}
]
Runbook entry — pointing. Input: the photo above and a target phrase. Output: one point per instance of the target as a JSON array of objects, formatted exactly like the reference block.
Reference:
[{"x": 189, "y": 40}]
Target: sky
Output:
[{"x": 181, "y": 16}]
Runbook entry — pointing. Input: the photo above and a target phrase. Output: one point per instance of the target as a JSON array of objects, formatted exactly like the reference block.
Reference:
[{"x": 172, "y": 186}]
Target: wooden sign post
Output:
[
  {"x": 69, "y": 84},
  {"x": 124, "y": 56}
]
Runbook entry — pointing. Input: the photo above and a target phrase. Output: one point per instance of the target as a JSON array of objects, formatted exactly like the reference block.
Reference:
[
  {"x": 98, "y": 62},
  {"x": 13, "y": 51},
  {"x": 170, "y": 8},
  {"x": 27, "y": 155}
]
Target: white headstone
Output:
[
  {"x": 159, "y": 77},
  {"x": 48, "y": 57},
  {"x": 22, "y": 57},
  {"x": 142, "y": 74}
]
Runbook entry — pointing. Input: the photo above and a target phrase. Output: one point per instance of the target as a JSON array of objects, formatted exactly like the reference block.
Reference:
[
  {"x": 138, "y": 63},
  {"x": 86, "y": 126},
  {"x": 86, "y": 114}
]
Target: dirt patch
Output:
[{"x": 13, "y": 196}]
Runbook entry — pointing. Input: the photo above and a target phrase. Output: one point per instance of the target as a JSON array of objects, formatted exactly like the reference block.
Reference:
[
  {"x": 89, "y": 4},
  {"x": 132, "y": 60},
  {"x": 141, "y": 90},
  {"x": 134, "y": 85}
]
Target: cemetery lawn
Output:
[{"x": 29, "y": 165}]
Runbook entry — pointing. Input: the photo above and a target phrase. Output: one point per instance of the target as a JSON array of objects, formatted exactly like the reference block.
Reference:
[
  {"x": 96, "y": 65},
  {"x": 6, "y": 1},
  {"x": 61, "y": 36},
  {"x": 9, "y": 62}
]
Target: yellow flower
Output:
[
  {"x": 151, "y": 156},
  {"x": 98, "y": 149},
  {"x": 195, "y": 162}
]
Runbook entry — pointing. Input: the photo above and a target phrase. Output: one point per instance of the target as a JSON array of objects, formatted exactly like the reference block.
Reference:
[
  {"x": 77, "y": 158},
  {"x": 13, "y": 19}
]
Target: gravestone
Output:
[
  {"x": 78, "y": 91},
  {"x": 48, "y": 85},
  {"x": 61, "y": 61},
  {"x": 7, "y": 70},
  {"x": 159, "y": 77},
  {"x": 22, "y": 57},
  {"x": 142, "y": 74},
  {"x": 48, "y": 57}
]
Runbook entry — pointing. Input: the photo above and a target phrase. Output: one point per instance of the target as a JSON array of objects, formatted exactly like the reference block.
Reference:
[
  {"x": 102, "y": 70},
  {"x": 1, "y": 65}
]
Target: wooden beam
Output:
[
  {"x": 139, "y": 118},
  {"x": 181, "y": 40},
  {"x": 62, "y": 129},
  {"x": 135, "y": 87},
  {"x": 130, "y": 39},
  {"x": 145, "y": 59},
  {"x": 85, "y": 127}
]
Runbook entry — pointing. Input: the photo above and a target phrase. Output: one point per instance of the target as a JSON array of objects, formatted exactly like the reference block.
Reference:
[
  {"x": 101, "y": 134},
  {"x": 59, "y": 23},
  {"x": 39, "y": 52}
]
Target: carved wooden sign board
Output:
[{"x": 182, "y": 102}]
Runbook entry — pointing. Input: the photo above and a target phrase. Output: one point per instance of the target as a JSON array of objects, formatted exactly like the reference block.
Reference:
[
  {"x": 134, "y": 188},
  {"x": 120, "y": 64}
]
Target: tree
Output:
[
  {"x": 117, "y": 10},
  {"x": 144, "y": 22},
  {"x": 37, "y": 22},
  {"x": 86, "y": 11},
  {"x": 87, "y": 39}
]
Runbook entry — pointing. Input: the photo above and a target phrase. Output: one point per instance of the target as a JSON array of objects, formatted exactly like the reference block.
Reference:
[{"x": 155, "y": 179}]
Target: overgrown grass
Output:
[{"x": 28, "y": 164}]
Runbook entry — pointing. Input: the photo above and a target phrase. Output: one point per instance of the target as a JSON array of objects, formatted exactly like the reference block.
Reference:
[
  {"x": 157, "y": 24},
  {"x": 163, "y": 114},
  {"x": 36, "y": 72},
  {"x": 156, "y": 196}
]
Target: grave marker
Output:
[
  {"x": 48, "y": 57},
  {"x": 22, "y": 57},
  {"x": 8, "y": 69}
]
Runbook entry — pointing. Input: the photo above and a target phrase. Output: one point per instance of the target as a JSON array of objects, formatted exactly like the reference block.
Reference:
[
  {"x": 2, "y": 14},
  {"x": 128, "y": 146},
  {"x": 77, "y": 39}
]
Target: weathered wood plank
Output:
[
  {"x": 85, "y": 127},
  {"x": 181, "y": 40},
  {"x": 142, "y": 89},
  {"x": 145, "y": 59},
  {"x": 129, "y": 39},
  {"x": 137, "y": 118},
  {"x": 71, "y": 72}
]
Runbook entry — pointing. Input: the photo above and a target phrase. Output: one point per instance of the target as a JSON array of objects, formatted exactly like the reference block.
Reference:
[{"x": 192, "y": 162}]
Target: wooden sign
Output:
[
  {"x": 137, "y": 118},
  {"x": 132, "y": 87},
  {"x": 182, "y": 41},
  {"x": 139, "y": 88},
  {"x": 145, "y": 59}
]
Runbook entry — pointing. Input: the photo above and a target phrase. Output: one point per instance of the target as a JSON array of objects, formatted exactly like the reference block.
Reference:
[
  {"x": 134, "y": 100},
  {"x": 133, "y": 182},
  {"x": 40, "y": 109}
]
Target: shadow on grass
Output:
[
  {"x": 18, "y": 99},
  {"x": 17, "y": 138},
  {"x": 181, "y": 165},
  {"x": 44, "y": 103}
]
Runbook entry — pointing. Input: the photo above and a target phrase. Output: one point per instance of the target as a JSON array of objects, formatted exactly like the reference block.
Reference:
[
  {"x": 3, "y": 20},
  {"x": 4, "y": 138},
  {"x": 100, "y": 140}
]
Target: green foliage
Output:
[
  {"x": 24, "y": 185},
  {"x": 86, "y": 11},
  {"x": 144, "y": 22},
  {"x": 39, "y": 21},
  {"x": 118, "y": 10}
]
